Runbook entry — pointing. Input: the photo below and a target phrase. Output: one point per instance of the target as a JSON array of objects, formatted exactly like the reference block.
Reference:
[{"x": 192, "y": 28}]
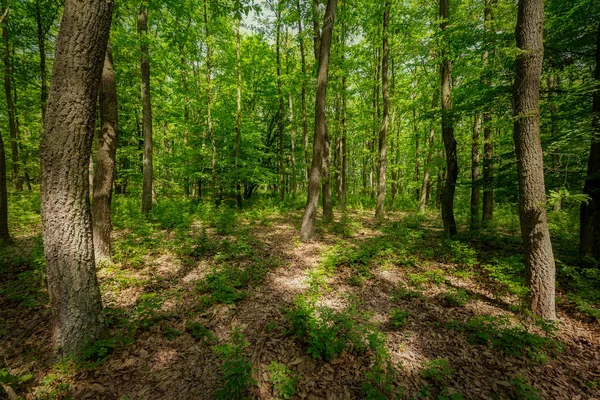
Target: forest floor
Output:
[{"x": 232, "y": 305}]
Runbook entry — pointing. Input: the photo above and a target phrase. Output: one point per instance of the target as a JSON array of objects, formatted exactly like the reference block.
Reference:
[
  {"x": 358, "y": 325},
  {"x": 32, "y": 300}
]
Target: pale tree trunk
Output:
[
  {"x": 105, "y": 161},
  {"x": 147, "y": 186},
  {"x": 64, "y": 156},
  {"x": 475, "y": 172},
  {"x": 589, "y": 244},
  {"x": 308, "y": 230},
  {"x": 304, "y": 117},
  {"x": 382, "y": 162},
  {"x": 487, "y": 212},
  {"x": 448, "y": 130},
  {"x": 539, "y": 258},
  {"x": 280, "y": 119},
  {"x": 15, "y": 178},
  {"x": 238, "y": 136}
]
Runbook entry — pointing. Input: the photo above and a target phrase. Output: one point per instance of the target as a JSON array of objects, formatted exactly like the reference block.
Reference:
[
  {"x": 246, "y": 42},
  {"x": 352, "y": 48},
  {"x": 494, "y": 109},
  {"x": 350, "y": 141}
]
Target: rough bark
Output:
[
  {"x": 147, "y": 188},
  {"x": 15, "y": 178},
  {"x": 382, "y": 162},
  {"x": 64, "y": 155},
  {"x": 448, "y": 131},
  {"x": 589, "y": 244},
  {"x": 539, "y": 258},
  {"x": 475, "y": 172},
  {"x": 308, "y": 230},
  {"x": 105, "y": 161}
]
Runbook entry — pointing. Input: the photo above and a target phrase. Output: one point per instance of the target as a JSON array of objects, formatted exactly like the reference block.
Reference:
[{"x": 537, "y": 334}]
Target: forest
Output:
[{"x": 300, "y": 199}]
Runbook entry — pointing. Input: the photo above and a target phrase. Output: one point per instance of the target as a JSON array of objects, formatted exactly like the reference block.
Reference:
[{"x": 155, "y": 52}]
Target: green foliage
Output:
[
  {"x": 404, "y": 293},
  {"x": 236, "y": 369},
  {"x": 399, "y": 318},
  {"x": 455, "y": 252},
  {"x": 14, "y": 380},
  {"x": 346, "y": 227},
  {"x": 437, "y": 371},
  {"x": 510, "y": 273},
  {"x": 96, "y": 352},
  {"x": 23, "y": 275},
  {"x": 199, "y": 332},
  {"x": 171, "y": 333},
  {"x": 521, "y": 390},
  {"x": 456, "y": 298},
  {"x": 283, "y": 379}
]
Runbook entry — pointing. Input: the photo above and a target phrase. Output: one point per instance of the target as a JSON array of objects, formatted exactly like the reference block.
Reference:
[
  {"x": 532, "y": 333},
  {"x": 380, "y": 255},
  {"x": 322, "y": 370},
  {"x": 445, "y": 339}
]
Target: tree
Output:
[
  {"x": 589, "y": 242},
  {"x": 382, "y": 164},
  {"x": 105, "y": 161},
  {"x": 448, "y": 129},
  {"x": 539, "y": 258},
  {"x": 64, "y": 155},
  {"x": 487, "y": 212},
  {"x": 308, "y": 229},
  {"x": 147, "y": 187}
]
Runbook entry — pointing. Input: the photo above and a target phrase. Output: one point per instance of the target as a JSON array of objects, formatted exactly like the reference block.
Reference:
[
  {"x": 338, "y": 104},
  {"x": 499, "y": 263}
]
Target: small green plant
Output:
[
  {"x": 456, "y": 298},
  {"x": 399, "y": 318},
  {"x": 236, "y": 369},
  {"x": 283, "y": 379},
  {"x": 171, "y": 333},
  {"x": 96, "y": 352},
  {"x": 521, "y": 390},
  {"x": 456, "y": 252},
  {"x": 199, "y": 332},
  {"x": 437, "y": 371},
  {"x": 14, "y": 380},
  {"x": 404, "y": 293},
  {"x": 147, "y": 311},
  {"x": 346, "y": 227}
]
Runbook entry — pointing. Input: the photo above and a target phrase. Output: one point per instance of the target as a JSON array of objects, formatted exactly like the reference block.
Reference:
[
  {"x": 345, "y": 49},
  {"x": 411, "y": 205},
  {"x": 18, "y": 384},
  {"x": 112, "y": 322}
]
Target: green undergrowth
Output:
[{"x": 236, "y": 369}]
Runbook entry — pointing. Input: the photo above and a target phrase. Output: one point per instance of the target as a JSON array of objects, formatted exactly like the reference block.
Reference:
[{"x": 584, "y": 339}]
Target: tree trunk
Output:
[
  {"x": 539, "y": 258},
  {"x": 475, "y": 173},
  {"x": 304, "y": 117},
  {"x": 327, "y": 202},
  {"x": 382, "y": 164},
  {"x": 64, "y": 156},
  {"x": 5, "y": 238},
  {"x": 589, "y": 244},
  {"x": 487, "y": 213},
  {"x": 344, "y": 149},
  {"x": 147, "y": 188},
  {"x": 553, "y": 85},
  {"x": 238, "y": 136},
  {"x": 308, "y": 230},
  {"x": 426, "y": 187},
  {"x": 448, "y": 130},
  {"x": 280, "y": 98},
  {"x": 105, "y": 161},
  {"x": 41, "y": 38},
  {"x": 15, "y": 178},
  {"x": 209, "y": 122},
  {"x": 293, "y": 146}
]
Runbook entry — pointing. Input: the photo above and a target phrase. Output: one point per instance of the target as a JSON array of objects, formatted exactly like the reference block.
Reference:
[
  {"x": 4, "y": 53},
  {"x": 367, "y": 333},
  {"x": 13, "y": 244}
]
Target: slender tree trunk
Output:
[
  {"x": 316, "y": 31},
  {"x": 426, "y": 187},
  {"x": 304, "y": 116},
  {"x": 382, "y": 164},
  {"x": 589, "y": 244},
  {"x": 5, "y": 238},
  {"x": 308, "y": 230},
  {"x": 105, "y": 161},
  {"x": 344, "y": 149},
  {"x": 448, "y": 130},
  {"x": 553, "y": 84},
  {"x": 327, "y": 202},
  {"x": 64, "y": 156},
  {"x": 539, "y": 258},
  {"x": 15, "y": 178},
  {"x": 280, "y": 98},
  {"x": 417, "y": 138},
  {"x": 147, "y": 188},
  {"x": 487, "y": 213},
  {"x": 41, "y": 38},
  {"x": 238, "y": 137},
  {"x": 209, "y": 121},
  {"x": 293, "y": 146},
  {"x": 475, "y": 172}
]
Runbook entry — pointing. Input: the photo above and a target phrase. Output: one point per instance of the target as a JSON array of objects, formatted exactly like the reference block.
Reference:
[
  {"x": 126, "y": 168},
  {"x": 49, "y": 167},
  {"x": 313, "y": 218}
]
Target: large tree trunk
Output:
[
  {"x": 475, "y": 172},
  {"x": 487, "y": 212},
  {"x": 64, "y": 156},
  {"x": 105, "y": 161},
  {"x": 304, "y": 117},
  {"x": 147, "y": 188},
  {"x": 589, "y": 244},
  {"x": 16, "y": 179},
  {"x": 382, "y": 164},
  {"x": 280, "y": 119},
  {"x": 539, "y": 258},
  {"x": 448, "y": 131},
  {"x": 308, "y": 230}
]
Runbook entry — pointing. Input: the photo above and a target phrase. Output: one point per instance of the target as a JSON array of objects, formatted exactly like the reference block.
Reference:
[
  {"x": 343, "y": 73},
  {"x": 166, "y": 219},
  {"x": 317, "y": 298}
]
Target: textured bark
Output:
[
  {"x": 238, "y": 136},
  {"x": 64, "y": 156},
  {"x": 589, "y": 244},
  {"x": 304, "y": 116},
  {"x": 105, "y": 161},
  {"x": 147, "y": 188},
  {"x": 539, "y": 258},
  {"x": 280, "y": 119},
  {"x": 382, "y": 162},
  {"x": 15, "y": 178},
  {"x": 448, "y": 131},
  {"x": 308, "y": 230},
  {"x": 487, "y": 212},
  {"x": 475, "y": 172}
]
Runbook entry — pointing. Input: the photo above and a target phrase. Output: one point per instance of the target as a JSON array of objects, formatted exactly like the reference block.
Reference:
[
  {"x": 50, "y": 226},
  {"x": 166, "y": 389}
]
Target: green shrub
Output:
[
  {"x": 437, "y": 371},
  {"x": 236, "y": 369},
  {"x": 521, "y": 390},
  {"x": 399, "y": 318},
  {"x": 456, "y": 298},
  {"x": 283, "y": 379}
]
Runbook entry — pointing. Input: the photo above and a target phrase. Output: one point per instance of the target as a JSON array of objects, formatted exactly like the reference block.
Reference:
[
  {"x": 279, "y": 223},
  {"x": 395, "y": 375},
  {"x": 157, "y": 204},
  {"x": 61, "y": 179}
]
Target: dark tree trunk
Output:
[
  {"x": 147, "y": 188},
  {"x": 539, "y": 258},
  {"x": 589, "y": 244},
  {"x": 64, "y": 156},
  {"x": 105, "y": 161},
  {"x": 16, "y": 179},
  {"x": 448, "y": 131},
  {"x": 308, "y": 230},
  {"x": 475, "y": 172},
  {"x": 487, "y": 212},
  {"x": 4, "y": 234},
  {"x": 382, "y": 164}
]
